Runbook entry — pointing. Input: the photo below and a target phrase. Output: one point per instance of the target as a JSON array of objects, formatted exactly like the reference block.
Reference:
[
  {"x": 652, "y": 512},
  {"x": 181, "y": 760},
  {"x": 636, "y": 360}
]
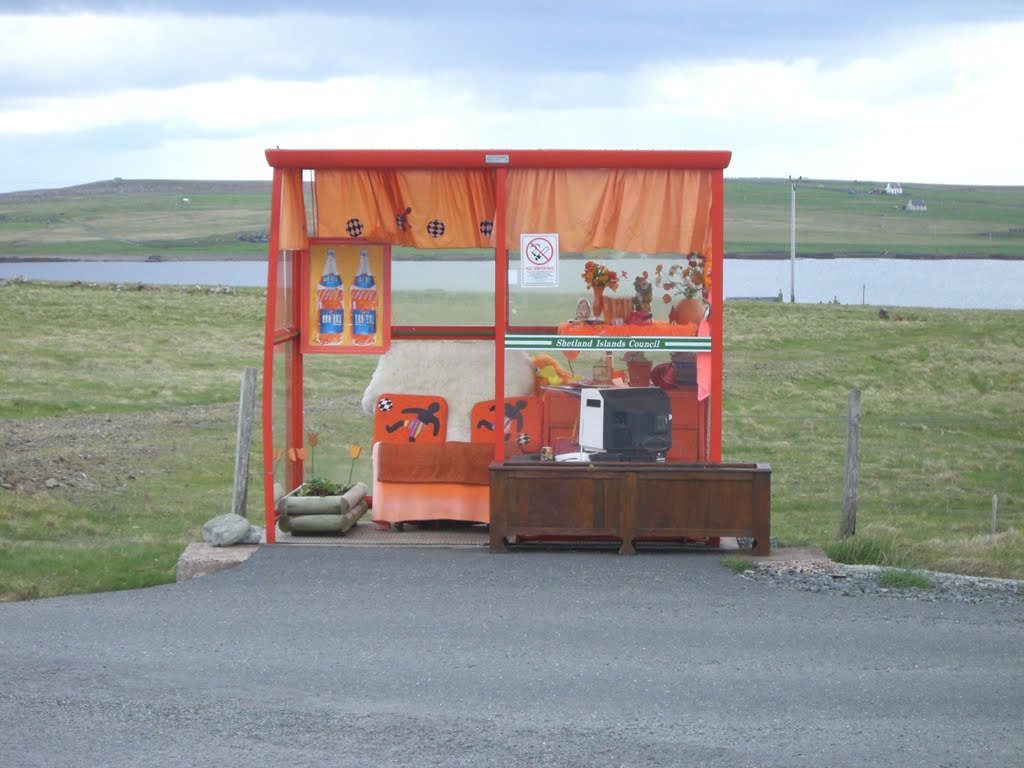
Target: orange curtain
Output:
[
  {"x": 638, "y": 210},
  {"x": 418, "y": 208},
  {"x": 292, "y": 236}
]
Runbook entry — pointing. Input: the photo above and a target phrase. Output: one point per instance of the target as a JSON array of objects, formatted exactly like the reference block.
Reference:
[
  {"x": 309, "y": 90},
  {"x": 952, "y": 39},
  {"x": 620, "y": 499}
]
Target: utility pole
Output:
[{"x": 792, "y": 238}]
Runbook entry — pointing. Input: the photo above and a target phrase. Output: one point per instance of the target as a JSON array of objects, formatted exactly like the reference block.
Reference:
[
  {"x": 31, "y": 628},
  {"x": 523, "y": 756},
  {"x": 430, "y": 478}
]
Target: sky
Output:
[{"x": 907, "y": 91}]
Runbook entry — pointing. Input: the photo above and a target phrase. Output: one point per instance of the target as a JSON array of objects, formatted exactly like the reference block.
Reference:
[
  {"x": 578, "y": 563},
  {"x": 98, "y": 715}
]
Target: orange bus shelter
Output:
[{"x": 650, "y": 202}]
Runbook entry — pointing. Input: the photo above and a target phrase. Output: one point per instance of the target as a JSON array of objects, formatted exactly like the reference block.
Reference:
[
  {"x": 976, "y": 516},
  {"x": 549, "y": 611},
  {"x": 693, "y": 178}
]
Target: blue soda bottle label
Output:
[
  {"x": 364, "y": 322},
  {"x": 331, "y": 306},
  {"x": 331, "y": 321}
]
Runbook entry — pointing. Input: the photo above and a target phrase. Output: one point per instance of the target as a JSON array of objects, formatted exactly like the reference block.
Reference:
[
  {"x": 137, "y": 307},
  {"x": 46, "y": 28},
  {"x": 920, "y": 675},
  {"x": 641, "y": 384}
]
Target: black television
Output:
[{"x": 625, "y": 424}]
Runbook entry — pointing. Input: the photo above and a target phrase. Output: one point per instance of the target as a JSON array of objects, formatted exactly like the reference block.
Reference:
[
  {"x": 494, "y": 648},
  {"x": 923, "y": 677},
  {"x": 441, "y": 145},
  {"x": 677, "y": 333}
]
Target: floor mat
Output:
[{"x": 365, "y": 534}]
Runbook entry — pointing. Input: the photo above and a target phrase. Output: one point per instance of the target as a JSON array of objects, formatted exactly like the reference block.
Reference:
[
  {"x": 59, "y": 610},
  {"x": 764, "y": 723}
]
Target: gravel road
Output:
[{"x": 311, "y": 656}]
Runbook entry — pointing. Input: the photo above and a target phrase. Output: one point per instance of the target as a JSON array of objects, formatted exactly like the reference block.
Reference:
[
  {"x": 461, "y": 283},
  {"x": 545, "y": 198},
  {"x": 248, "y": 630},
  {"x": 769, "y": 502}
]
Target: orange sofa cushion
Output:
[
  {"x": 521, "y": 423},
  {"x": 410, "y": 419}
]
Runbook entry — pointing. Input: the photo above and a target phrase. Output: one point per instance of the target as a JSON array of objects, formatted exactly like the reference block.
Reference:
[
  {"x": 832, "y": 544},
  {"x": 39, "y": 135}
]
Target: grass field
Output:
[
  {"x": 118, "y": 417},
  {"x": 190, "y": 219}
]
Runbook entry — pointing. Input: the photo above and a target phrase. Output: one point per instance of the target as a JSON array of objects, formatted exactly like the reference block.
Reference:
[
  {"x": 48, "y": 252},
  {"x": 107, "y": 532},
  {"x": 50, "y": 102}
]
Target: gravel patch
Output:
[{"x": 825, "y": 576}]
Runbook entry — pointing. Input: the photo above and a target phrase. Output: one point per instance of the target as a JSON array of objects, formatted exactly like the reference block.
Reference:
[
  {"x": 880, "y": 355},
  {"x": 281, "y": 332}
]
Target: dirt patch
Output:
[{"x": 83, "y": 454}]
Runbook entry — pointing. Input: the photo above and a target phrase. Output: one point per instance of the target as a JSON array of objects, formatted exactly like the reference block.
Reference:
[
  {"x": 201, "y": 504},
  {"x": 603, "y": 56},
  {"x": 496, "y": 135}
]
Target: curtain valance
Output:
[
  {"x": 638, "y": 210},
  {"x": 418, "y": 208}
]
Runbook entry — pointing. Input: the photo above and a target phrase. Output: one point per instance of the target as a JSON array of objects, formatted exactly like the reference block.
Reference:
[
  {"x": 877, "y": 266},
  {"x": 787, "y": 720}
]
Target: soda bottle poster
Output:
[{"x": 347, "y": 287}]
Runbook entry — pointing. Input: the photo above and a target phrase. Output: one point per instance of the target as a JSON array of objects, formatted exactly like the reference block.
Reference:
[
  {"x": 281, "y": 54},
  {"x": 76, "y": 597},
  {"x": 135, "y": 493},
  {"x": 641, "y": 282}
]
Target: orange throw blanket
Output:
[{"x": 451, "y": 462}]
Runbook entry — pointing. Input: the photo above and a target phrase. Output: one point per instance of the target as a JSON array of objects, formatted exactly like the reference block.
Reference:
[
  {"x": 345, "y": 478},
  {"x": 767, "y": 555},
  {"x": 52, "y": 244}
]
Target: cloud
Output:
[{"x": 913, "y": 93}]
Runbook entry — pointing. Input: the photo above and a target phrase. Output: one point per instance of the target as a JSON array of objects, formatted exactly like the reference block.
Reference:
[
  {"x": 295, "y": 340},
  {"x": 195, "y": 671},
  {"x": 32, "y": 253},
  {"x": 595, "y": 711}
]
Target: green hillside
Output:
[
  {"x": 838, "y": 217},
  {"x": 137, "y": 220},
  {"x": 228, "y": 219}
]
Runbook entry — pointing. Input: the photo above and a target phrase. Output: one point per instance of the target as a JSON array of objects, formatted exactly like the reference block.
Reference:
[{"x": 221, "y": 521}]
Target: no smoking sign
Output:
[
  {"x": 539, "y": 257},
  {"x": 540, "y": 250}
]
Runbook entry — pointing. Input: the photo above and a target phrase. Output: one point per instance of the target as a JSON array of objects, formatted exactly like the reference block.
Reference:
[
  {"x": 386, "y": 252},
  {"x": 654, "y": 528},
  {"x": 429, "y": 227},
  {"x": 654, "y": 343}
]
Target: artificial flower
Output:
[
  {"x": 689, "y": 279},
  {"x": 354, "y": 451},
  {"x": 599, "y": 276}
]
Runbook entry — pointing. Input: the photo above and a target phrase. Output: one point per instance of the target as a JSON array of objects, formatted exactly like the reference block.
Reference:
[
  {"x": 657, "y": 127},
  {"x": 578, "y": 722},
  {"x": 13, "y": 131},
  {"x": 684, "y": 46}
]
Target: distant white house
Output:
[
  {"x": 915, "y": 205},
  {"x": 893, "y": 189}
]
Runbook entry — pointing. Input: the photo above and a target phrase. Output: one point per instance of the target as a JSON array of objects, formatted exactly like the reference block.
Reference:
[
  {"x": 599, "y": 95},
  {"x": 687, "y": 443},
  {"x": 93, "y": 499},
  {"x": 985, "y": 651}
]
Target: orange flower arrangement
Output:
[{"x": 599, "y": 276}]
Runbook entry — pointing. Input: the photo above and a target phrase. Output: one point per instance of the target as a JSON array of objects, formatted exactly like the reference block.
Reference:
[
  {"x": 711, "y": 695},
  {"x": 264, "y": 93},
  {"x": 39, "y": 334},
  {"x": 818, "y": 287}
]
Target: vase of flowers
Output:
[
  {"x": 685, "y": 287},
  {"x": 598, "y": 277}
]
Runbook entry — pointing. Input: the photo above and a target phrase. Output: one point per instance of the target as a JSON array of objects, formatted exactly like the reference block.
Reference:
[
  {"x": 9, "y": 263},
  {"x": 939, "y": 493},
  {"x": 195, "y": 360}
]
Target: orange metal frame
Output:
[{"x": 291, "y": 335}]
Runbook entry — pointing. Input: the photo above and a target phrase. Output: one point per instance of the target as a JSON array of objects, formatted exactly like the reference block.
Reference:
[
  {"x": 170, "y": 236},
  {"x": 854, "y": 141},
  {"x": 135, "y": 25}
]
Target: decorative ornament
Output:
[{"x": 583, "y": 310}]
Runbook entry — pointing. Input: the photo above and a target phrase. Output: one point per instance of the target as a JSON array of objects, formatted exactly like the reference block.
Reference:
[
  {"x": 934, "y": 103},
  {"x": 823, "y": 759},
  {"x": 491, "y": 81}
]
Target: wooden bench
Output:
[{"x": 628, "y": 502}]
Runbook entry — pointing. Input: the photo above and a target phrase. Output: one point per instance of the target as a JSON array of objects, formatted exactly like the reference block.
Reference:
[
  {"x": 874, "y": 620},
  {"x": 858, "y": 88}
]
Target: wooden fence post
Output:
[
  {"x": 243, "y": 441},
  {"x": 852, "y": 466}
]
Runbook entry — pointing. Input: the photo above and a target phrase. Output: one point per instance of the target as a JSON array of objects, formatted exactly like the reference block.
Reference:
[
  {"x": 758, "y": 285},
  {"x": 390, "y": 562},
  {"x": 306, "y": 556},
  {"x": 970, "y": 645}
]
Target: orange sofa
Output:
[
  {"x": 419, "y": 482},
  {"x": 419, "y": 475}
]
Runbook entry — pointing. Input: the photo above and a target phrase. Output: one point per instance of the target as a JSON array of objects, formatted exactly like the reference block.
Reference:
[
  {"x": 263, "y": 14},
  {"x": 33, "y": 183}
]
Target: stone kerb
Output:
[{"x": 202, "y": 559}]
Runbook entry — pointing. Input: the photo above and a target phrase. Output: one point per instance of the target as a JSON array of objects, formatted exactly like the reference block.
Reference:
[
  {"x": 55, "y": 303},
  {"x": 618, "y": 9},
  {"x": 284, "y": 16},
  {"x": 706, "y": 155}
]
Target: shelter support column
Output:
[
  {"x": 717, "y": 261},
  {"x": 500, "y": 299},
  {"x": 268, "y": 357}
]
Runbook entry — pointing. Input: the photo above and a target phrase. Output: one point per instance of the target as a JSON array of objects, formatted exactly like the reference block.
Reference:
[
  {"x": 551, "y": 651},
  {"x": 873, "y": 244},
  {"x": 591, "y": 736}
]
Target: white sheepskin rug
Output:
[{"x": 462, "y": 372}]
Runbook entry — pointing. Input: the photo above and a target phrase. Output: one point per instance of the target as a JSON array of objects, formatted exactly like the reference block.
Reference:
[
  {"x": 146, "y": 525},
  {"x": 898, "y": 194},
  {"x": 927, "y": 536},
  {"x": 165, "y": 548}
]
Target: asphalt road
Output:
[{"x": 309, "y": 656}]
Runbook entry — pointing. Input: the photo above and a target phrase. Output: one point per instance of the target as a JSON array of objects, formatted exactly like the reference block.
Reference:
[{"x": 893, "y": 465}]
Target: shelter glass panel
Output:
[{"x": 442, "y": 287}]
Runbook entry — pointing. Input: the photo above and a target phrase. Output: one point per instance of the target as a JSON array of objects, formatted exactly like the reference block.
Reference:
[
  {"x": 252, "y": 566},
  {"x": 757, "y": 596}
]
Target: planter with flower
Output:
[
  {"x": 598, "y": 278},
  {"x": 323, "y": 506},
  {"x": 639, "y": 369},
  {"x": 685, "y": 287}
]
